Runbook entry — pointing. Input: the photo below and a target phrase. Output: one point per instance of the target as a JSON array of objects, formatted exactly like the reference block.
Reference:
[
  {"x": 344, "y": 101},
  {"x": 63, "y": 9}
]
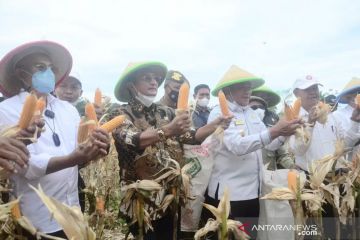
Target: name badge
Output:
[{"x": 239, "y": 122}]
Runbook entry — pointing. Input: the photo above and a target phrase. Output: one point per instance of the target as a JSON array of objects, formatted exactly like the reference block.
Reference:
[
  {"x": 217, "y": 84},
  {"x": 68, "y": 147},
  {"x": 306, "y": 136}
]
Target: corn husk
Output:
[{"x": 70, "y": 219}]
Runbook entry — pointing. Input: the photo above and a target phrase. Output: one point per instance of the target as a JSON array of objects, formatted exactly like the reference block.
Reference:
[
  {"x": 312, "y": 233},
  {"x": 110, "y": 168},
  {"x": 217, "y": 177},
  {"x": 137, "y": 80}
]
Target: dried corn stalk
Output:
[{"x": 221, "y": 223}]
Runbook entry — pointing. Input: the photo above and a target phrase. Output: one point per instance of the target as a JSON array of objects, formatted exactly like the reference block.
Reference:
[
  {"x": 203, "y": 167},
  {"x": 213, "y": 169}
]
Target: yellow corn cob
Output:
[
  {"x": 83, "y": 131},
  {"x": 292, "y": 180},
  {"x": 91, "y": 115},
  {"x": 27, "y": 112},
  {"x": 100, "y": 205},
  {"x": 223, "y": 104},
  {"x": 183, "y": 98},
  {"x": 113, "y": 123},
  {"x": 15, "y": 211},
  {"x": 296, "y": 108},
  {"x": 288, "y": 112},
  {"x": 40, "y": 106},
  {"x": 98, "y": 97}
]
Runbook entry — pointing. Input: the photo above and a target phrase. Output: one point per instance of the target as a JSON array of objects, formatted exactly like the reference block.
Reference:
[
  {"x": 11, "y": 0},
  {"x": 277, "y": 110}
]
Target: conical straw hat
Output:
[
  {"x": 272, "y": 98},
  {"x": 237, "y": 75},
  {"x": 353, "y": 86}
]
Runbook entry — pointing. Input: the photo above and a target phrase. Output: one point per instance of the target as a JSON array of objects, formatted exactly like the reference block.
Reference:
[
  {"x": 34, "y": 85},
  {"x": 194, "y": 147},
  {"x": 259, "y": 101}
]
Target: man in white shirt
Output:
[
  {"x": 322, "y": 136},
  {"x": 238, "y": 162},
  {"x": 38, "y": 67}
]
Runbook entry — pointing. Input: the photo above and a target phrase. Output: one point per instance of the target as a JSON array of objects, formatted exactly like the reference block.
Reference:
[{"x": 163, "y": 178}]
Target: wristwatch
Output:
[{"x": 161, "y": 135}]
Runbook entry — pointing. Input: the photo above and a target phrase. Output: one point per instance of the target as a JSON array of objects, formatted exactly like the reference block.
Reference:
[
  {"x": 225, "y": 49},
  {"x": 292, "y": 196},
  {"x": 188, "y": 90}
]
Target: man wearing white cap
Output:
[
  {"x": 38, "y": 67},
  {"x": 322, "y": 136}
]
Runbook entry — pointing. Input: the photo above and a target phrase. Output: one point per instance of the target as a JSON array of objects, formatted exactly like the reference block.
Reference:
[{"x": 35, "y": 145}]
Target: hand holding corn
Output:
[
  {"x": 179, "y": 125},
  {"x": 12, "y": 152},
  {"x": 284, "y": 128},
  {"x": 28, "y": 133},
  {"x": 97, "y": 146}
]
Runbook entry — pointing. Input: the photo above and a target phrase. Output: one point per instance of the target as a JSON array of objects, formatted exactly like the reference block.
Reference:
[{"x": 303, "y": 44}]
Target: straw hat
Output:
[
  {"x": 122, "y": 92},
  {"x": 237, "y": 75},
  {"x": 264, "y": 92},
  {"x": 353, "y": 86},
  {"x": 58, "y": 54}
]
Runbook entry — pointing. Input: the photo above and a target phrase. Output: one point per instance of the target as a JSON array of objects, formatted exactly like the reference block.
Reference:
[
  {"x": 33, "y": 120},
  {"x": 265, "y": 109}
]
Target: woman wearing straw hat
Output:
[
  {"x": 150, "y": 140},
  {"x": 238, "y": 161},
  {"x": 38, "y": 67}
]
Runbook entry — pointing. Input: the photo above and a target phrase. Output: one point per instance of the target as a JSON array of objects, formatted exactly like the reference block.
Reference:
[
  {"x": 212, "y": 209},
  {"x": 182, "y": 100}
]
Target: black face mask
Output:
[{"x": 174, "y": 95}]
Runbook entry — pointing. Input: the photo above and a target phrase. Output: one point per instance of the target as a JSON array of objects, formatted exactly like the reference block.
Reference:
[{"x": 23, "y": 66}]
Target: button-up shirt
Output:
[
  {"x": 322, "y": 140},
  {"x": 238, "y": 162},
  {"x": 61, "y": 185},
  {"x": 343, "y": 116},
  {"x": 200, "y": 116}
]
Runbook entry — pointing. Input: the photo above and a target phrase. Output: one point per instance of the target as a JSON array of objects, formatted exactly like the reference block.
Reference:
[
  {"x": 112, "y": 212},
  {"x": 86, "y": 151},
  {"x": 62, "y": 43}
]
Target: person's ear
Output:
[
  {"x": 296, "y": 92},
  {"x": 81, "y": 92},
  {"x": 22, "y": 76}
]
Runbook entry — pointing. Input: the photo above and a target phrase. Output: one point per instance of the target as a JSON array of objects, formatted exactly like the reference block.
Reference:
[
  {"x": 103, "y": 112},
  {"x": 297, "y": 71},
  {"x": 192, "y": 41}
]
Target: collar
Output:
[
  {"x": 234, "y": 107},
  {"x": 202, "y": 109},
  {"x": 22, "y": 95}
]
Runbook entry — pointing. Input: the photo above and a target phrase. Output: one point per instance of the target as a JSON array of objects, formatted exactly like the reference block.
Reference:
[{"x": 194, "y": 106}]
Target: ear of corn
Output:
[
  {"x": 296, "y": 108},
  {"x": 223, "y": 104},
  {"x": 292, "y": 180},
  {"x": 183, "y": 97},
  {"x": 100, "y": 205},
  {"x": 91, "y": 115},
  {"x": 27, "y": 112},
  {"x": 98, "y": 97},
  {"x": 288, "y": 112},
  {"x": 40, "y": 106},
  {"x": 83, "y": 131},
  {"x": 113, "y": 123},
  {"x": 15, "y": 211}
]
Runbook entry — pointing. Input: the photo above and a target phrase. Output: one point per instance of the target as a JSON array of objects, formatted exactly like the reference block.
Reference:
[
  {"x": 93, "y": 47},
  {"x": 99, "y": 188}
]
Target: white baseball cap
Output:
[{"x": 306, "y": 82}]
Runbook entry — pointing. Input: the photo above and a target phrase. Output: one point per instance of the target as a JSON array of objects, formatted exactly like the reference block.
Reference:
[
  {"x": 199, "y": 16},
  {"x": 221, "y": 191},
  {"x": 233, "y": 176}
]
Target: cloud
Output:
[{"x": 278, "y": 40}]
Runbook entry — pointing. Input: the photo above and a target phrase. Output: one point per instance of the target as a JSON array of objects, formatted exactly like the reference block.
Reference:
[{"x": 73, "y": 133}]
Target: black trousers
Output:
[
  {"x": 28, "y": 236},
  {"x": 82, "y": 195},
  {"x": 247, "y": 212}
]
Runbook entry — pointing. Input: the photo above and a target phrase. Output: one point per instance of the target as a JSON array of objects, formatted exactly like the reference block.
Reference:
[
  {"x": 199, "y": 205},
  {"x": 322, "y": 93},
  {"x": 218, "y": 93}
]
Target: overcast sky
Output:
[{"x": 277, "y": 40}]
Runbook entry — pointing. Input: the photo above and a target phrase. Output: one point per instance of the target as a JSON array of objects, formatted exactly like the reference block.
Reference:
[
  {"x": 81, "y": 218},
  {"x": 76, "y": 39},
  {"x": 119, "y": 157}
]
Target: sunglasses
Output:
[{"x": 254, "y": 107}]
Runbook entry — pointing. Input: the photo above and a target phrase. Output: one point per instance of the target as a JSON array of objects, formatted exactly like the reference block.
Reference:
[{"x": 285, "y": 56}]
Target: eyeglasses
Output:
[
  {"x": 254, "y": 107},
  {"x": 149, "y": 77}
]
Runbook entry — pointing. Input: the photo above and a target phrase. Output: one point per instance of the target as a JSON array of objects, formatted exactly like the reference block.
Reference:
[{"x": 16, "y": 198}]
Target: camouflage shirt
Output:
[{"x": 136, "y": 163}]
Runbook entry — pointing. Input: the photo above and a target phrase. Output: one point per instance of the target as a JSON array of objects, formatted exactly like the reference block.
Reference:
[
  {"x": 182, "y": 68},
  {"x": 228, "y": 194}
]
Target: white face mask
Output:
[
  {"x": 203, "y": 102},
  {"x": 146, "y": 100},
  {"x": 261, "y": 113}
]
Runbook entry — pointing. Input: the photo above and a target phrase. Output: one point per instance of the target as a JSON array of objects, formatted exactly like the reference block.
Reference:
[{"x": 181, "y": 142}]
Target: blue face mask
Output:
[{"x": 44, "y": 81}]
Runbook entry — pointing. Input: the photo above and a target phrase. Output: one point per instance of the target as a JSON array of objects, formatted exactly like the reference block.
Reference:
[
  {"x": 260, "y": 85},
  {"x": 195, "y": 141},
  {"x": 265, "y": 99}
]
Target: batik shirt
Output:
[{"x": 136, "y": 163}]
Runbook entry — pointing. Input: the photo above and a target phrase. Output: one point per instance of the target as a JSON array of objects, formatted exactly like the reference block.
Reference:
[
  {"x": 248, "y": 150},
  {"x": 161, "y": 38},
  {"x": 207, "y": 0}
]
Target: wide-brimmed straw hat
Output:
[
  {"x": 353, "y": 86},
  {"x": 59, "y": 56},
  {"x": 237, "y": 75},
  {"x": 122, "y": 92},
  {"x": 264, "y": 92}
]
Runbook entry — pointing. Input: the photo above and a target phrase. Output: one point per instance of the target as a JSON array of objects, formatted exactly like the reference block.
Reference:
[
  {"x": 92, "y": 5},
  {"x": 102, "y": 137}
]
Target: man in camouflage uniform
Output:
[
  {"x": 150, "y": 138},
  {"x": 173, "y": 81}
]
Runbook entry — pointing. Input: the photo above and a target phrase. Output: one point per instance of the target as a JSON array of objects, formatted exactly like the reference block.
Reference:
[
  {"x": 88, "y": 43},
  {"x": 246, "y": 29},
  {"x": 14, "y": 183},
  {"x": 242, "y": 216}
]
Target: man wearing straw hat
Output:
[
  {"x": 150, "y": 141},
  {"x": 238, "y": 162},
  {"x": 347, "y": 96},
  {"x": 38, "y": 67}
]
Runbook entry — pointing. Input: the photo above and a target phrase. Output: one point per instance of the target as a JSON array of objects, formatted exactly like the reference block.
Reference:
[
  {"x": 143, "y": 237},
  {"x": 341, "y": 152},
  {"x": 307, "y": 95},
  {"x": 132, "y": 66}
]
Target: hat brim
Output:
[
  {"x": 255, "y": 83},
  {"x": 59, "y": 56},
  {"x": 121, "y": 91},
  {"x": 340, "y": 97},
  {"x": 269, "y": 96}
]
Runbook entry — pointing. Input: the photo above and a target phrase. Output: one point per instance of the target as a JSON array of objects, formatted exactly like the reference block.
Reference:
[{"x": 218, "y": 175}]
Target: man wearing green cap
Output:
[
  {"x": 238, "y": 162},
  {"x": 173, "y": 81},
  {"x": 150, "y": 139}
]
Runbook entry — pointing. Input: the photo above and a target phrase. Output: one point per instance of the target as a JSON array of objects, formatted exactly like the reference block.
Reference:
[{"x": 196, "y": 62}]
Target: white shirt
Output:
[
  {"x": 322, "y": 140},
  {"x": 61, "y": 185},
  {"x": 343, "y": 116},
  {"x": 238, "y": 163}
]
